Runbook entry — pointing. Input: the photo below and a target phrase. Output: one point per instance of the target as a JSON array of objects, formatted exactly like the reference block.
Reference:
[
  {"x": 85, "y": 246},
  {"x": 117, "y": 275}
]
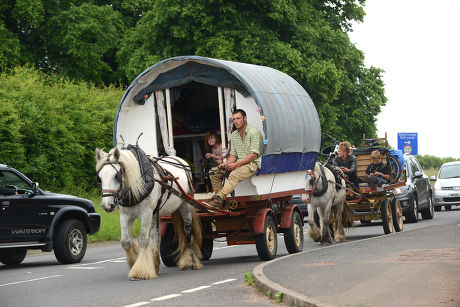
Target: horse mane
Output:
[
  {"x": 132, "y": 173},
  {"x": 133, "y": 176}
]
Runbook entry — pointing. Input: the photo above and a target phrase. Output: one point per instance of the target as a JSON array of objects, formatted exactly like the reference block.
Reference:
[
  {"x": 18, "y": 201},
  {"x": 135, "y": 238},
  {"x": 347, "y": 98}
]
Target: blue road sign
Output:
[{"x": 408, "y": 142}]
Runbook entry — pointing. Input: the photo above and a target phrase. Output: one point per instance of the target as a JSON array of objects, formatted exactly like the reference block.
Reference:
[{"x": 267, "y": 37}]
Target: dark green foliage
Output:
[
  {"x": 50, "y": 127},
  {"x": 110, "y": 42},
  {"x": 305, "y": 39}
]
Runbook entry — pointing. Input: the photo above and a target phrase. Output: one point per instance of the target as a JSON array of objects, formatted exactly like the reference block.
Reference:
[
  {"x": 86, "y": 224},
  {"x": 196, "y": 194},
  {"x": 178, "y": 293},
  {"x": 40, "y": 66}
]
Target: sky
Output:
[{"x": 417, "y": 43}]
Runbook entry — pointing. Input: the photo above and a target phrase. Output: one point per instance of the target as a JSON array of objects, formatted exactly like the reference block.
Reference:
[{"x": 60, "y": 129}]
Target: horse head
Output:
[
  {"x": 110, "y": 174},
  {"x": 315, "y": 183}
]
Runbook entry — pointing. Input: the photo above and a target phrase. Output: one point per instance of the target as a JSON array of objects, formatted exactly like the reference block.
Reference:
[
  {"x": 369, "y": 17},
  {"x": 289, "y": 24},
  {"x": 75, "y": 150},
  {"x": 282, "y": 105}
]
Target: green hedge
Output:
[{"x": 50, "y": 127}]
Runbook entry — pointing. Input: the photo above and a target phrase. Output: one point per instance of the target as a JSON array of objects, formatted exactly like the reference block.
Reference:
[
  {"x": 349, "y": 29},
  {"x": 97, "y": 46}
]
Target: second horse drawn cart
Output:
[
  {"x": 174, "y": 102},
  {"x": 375, "y": 203}
]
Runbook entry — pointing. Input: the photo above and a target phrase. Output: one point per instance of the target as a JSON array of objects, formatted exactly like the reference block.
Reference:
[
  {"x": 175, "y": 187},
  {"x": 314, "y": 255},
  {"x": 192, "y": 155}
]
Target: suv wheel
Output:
[
  {"x": 412, "y": 214},
  {"x": 70, "y": 242},
  {"x": 12, "y": 255},
  {"x": 428, "y": 212}
]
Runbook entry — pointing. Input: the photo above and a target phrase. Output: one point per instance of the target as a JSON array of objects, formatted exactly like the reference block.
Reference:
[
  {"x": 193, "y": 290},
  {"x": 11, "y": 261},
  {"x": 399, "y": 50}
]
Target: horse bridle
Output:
[
  {"x": 314, "y": 180},
  {"x": 119, "y": 176}
]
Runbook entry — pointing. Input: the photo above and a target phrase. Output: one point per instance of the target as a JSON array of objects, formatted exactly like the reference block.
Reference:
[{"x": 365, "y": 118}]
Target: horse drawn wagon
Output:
[
  {"x": 174, "y": 102},
  {"x": 375, "y": 202}
]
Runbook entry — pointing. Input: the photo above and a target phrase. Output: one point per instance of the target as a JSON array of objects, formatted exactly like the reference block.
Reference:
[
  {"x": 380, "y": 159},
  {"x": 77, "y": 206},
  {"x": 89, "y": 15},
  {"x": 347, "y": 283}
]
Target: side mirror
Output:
[
  {"x": 433, "y": 178},
  {"x": 418, "y": 174},
  {"x": 34, "y": 189}
]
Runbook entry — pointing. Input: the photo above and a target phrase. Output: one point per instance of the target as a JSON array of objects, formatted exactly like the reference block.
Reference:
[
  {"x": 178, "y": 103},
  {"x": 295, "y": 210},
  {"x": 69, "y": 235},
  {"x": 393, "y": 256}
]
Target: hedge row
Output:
[{"x": 50, "y": 127}]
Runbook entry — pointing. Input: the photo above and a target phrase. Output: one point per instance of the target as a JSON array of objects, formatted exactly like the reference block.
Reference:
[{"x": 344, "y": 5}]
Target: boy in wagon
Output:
[
  {"x": 243, "y": 162},
  {"x": 377, "y": 172}
]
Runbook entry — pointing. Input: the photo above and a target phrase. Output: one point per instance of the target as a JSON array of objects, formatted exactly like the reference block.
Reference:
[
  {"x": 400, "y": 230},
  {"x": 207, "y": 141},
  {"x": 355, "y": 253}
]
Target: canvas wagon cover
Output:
[{"x": 291, "y": 126}]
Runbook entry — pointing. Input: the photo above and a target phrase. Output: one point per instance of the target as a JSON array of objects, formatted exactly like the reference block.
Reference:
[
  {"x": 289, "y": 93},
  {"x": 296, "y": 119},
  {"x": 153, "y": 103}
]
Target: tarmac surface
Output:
[{"x": 419, "y": 267}]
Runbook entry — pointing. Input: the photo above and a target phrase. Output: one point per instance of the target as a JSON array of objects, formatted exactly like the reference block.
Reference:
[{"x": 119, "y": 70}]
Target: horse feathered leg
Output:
[
  {"x": 339, "y": 234},
  {"x": 155, "y": 243},
  {"x": 144, "y": 267},
  {"x": 324, "y": 222},
  {"x": 188, "y": 229},
  {"x": 313, "y": 231},
  {"x": 127, "y": 241}
]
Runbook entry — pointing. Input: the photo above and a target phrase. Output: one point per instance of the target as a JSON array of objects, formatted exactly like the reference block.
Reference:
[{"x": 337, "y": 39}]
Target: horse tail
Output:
[
  {"x": 347, "y": 216},
  {"x": 190, "y": 252},
  {"x": 197, "y": 228}
]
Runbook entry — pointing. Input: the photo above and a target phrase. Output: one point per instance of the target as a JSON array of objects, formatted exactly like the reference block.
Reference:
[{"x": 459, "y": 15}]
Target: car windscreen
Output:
[{"x": 449, "y": 171}]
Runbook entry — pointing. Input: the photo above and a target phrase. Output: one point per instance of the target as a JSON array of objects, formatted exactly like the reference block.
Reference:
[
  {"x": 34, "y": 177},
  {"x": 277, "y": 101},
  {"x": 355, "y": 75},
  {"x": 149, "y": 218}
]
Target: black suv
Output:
[
  {"x": 31, "y": 218},
  {"x": 415, "y": 197}
]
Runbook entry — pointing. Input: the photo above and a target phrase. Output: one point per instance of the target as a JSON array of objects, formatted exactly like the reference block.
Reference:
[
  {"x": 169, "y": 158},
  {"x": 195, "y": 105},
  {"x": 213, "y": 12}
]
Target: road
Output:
[{"x": 101, "y": 279}]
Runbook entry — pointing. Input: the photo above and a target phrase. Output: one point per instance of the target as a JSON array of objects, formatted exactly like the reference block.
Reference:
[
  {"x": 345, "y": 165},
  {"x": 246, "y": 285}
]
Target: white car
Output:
[{"x": 447, "y": 186}]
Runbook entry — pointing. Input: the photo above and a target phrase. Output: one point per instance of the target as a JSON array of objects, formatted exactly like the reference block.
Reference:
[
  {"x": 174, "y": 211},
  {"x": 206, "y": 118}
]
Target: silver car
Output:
[{"x": 447, "y": 186}]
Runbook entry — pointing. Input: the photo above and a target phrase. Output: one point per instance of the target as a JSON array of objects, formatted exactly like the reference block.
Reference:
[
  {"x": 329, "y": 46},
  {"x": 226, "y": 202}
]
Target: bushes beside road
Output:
[{"x": 49, "y": 128}]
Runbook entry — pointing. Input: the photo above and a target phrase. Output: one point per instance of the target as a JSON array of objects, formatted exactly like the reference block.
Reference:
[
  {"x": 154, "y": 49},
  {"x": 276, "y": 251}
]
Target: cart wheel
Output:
[
  {"x": 207, "y": 244},
  {"x": 168, "y": 247},
  {"x": 397, "y": 215},
  {"x": 293, "y": 237},
  {"x": 267, "y": 242},
  {"x": 387, "y": 222}
]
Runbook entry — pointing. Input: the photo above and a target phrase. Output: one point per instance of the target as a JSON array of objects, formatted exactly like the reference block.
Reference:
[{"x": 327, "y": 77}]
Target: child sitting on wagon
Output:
[{"x": 377, "y": 172}]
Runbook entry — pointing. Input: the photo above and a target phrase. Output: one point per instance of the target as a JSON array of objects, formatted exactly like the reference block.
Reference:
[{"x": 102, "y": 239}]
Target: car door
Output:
[
  {"x": 23, "y": 218},
  {"x": 420, "y": 182}
]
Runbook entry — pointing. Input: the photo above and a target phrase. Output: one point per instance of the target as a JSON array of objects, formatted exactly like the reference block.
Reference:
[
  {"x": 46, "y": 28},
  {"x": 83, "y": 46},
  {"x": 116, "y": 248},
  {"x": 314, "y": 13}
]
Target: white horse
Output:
[
  {"x": 119, "y": 173},
  {"x": 322, "y": 196}
]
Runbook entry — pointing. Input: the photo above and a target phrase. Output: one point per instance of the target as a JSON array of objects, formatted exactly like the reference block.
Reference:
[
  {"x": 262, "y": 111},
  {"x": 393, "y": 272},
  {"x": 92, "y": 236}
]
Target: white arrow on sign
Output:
[{"x": 407, "y": 142}]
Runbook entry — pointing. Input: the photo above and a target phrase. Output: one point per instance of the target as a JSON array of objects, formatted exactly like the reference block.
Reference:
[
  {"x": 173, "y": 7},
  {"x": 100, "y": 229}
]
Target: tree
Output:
[{"x": 305, "y": 39}]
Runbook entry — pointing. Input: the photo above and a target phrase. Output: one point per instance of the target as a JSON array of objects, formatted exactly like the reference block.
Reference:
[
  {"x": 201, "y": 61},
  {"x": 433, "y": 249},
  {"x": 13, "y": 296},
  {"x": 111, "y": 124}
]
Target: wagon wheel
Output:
[
  {"x": 169, "y": 247},
  {"x": 293, "y": 237},
  {"x": 387, "y": 222},
  {"x": 267, "y": 242},
  {"x": 397, "y": 215},
  {"x": 207, "y": 243}
]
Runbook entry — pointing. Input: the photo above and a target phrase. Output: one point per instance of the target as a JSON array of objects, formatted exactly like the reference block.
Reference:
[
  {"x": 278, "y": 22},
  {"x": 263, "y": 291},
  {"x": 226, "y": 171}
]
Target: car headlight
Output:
[
  {"x": 401, "y": 190},
  {"x": 437, "y": 186}
]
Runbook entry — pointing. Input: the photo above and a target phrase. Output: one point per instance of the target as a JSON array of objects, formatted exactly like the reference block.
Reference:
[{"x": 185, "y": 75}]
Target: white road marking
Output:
[
  {"x": 216, "y": 248},
  {"x": 102, "y": 261},
  {"x": 137, "y": 304},
  {"x": 85, "y": 268},
  {"x": 23, "y": 281},
  {"x": 166, "y": 297},
  {"x": 195, "y": 289},
  {"x": 224, "y": 281}
]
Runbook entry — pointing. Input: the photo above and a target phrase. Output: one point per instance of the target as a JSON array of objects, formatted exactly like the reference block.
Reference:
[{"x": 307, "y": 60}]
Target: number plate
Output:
[{"x": 453, "y": 195}]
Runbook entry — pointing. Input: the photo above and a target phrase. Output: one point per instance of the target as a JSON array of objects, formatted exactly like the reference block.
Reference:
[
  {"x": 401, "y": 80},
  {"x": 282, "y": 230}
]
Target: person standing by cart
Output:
[
  {"x": 243, "y": 162},
  {"x": 346, "y": 161}
]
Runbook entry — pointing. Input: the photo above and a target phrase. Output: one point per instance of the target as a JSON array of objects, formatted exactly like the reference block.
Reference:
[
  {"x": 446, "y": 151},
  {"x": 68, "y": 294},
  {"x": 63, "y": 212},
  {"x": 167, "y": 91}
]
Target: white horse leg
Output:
[
  {"x": 324, "y": 222},
  {"x": 144, "y": 267},
  {"x": 313, "y": 231},
  {"x": 127, "y": 241},
  {"x": 339, "y": 234},
  {"x": 191, "y": 253},
  {"x": 154, "y": 243}
]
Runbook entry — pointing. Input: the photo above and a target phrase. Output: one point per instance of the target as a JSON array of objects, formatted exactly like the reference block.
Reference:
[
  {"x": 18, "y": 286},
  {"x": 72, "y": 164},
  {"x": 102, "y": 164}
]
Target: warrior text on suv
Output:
[{"x": 31, "y": 218}]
